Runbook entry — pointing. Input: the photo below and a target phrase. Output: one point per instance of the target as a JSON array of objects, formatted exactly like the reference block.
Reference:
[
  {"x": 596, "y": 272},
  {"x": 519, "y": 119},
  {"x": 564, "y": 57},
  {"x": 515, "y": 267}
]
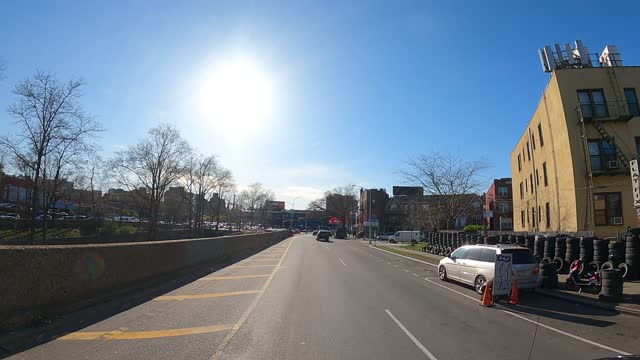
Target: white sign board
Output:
[
  {"x": 371, "y": 223},
  {"x": 502, "y": 275},
  {"x": 635, "y": 181}
]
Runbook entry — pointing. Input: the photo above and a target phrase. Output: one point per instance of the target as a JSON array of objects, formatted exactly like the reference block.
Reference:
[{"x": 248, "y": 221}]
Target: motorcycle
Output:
[{"x": 591, "y": 281}]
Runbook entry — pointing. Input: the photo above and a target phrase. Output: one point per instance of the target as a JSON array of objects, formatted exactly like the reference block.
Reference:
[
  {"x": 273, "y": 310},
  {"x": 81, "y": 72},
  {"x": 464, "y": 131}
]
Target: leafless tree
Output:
[
  {"x": 151, "y": 166},
  {"x": 339, "y": 202},
  {"x": 50, "y": 122},
  {"x": 224, "y": 186},
  {"x": 448, "y": 180},
  {"x": 254, "y": 197},
  {"x": 319, "y": 204},
  {"x": 3, "y": 68}
]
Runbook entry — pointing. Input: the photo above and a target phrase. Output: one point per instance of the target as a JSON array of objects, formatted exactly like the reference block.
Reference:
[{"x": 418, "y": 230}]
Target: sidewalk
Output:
[{"x": 630, "y": 303}]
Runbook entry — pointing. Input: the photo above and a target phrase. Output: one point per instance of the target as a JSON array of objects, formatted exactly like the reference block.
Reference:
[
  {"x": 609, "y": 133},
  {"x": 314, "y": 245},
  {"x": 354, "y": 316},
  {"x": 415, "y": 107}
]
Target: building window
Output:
[
  {"x": 533, "y": 141},
  {"x": 537, "y": 178},
  {"x": 601, "y": 153},
  {"x": 544, "y": 174},
  {"x": 531, "y": 181},
  {"x": 528, "y": 152},
  {"x": 607, "y": 208},
  {"x": 527, "y": 216},
  {"x": 540, "y": 138},
  {"x": 638, "y": 146},
  {"x": 522, "y": 217},
  {"x": 592, "y": 104},
  {"x": 503, "y": 191},
  {"x": 547, "y": 213},
  {"x": 632, "y": 101},
  {"x": 520, "y": 162},
  {"x": 539, "y": 215},
  {"x": 521, "y": 192},
  {"x": 523, "y": 158},
  {"x": 526, "y": 187}
]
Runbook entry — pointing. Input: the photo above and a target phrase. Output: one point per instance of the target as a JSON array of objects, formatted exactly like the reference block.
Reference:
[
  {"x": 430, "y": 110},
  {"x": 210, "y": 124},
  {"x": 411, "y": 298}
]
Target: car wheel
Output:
[
  {"x": 442, "y": 273},
  {"x": 479, "y": 284}
]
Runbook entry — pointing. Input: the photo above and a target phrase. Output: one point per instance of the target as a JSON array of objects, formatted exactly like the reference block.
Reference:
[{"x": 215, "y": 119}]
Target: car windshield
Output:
[
  {"x": 161, "y": 162},
  {"x": 520, "y": 256}
]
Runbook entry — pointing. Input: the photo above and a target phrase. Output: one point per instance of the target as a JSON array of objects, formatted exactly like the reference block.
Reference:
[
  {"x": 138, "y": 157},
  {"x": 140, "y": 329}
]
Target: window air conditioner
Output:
[
  {"x": 616, "y": 220},
  {"x": 612, "y": 164}
]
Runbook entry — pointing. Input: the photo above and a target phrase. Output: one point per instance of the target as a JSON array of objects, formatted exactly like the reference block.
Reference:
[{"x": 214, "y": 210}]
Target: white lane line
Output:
[
  {"x": 540, "y": 324},
  {"x": 410, "y": 335},
  {"x": 405, "y": 270},
  {"x": 414, "y": 274},
  {"x": 396, "y": 266},
  {"x": 342, "y": 262},
  {"x": 567, "y": 334},
  {"x": 388, "y": 262},
  {"x": 406, "y": 257}
]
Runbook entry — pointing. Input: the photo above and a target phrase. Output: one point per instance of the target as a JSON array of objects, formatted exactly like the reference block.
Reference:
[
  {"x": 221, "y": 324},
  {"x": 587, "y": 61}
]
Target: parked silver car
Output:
[{"x": 475, "y": 264}]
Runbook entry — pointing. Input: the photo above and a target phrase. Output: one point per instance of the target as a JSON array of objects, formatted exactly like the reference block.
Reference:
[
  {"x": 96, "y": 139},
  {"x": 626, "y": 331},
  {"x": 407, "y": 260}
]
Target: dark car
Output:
[
  {"x": 341, "y": 233},
  {"x": 323, "y": 235}
]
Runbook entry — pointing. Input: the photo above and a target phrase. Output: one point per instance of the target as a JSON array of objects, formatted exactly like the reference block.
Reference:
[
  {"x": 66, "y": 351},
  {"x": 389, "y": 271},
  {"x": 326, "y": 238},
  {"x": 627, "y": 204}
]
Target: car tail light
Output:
[{"x": 536, "y": 270}]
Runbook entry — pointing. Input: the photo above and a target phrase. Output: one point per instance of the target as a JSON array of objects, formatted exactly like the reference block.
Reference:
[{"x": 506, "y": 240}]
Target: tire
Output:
[
  {"x": 559, "y": 263},
  {"x": 626, "y": 271},
  {"x": 611, "y": 274},
  {"x": 607, "y": 266},
  {"x": 593, "y": 266},
  {"x": 447, "y": 252},
  {"x": 546, "y": 260},
  {"x": 442, "y": 273},
  {"x": 478, "y": 283}
]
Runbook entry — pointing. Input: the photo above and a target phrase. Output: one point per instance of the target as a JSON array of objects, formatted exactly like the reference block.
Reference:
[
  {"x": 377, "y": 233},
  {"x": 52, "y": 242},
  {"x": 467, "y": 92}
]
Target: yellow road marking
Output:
[
  {"x": 250, "y": 266},
  {"x": 205, "y": 296},
  {"x": 250, "y": 309},
  {"x": 132, "y": 335},
  {"x": 234, "y": 277},
  {"x": 261, "y": 259}
]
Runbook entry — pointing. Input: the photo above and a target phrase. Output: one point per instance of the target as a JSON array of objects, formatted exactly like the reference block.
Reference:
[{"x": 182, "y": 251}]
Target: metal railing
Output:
[{"x": 608, "y": 110}]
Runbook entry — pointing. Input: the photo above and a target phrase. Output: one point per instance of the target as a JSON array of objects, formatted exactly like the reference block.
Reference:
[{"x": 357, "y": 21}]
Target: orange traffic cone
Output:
[
  {"x": 487, "y": 298},
  {"x": 513, "y": 298}
]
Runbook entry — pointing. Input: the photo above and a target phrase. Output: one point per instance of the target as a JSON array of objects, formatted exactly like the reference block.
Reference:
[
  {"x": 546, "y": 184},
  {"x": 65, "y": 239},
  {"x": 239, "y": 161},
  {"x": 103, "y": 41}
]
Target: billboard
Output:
[
  {"x": 407, "y": 191},
  {"x": 274, "y": 205}
]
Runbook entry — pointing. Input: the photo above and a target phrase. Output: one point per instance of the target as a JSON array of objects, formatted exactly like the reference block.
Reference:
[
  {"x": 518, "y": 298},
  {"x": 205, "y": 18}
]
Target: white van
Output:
[{"x": 406, "y": 236}]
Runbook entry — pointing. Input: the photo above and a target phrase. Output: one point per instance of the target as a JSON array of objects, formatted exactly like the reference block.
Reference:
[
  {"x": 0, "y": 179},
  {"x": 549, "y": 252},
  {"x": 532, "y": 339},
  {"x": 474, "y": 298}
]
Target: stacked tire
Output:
[
  {"x": 549, "y": 277},
  {"x": 558, "y": 259},
  {"x": 480, "y": 239},
  {"x": 572, "y": 250},
  {"x": 520, "y": 239},
  {"x": 632, "y": 257},
  {"x": 600, "y": 253},
  {"x": 538, "y": 247},
  {"x": 549, "y": 249},
  {"x": 529, "y": 242},
  {"x": 611, "y": 285},
  {"x": 491, "y": 240},
  {"x": 586, "y": 253},
  {"x": 503, "y": 239}
]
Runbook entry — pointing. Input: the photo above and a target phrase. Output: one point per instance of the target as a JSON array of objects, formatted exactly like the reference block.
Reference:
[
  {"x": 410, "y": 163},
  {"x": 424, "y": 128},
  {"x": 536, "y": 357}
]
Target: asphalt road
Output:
[{"x": 303, "y": 299}]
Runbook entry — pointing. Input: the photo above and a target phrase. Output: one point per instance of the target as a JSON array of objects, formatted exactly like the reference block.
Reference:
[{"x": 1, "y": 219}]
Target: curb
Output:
[{"x": 588, "y": 302}]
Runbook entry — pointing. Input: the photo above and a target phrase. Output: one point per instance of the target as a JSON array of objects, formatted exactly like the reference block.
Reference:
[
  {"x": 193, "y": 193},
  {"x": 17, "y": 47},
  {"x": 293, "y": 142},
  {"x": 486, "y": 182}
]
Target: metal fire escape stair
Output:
[{"x": 605, "y": 135}]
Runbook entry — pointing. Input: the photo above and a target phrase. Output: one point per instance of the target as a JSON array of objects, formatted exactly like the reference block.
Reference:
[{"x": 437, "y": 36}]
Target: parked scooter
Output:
[{"x": 591, "y": 281}]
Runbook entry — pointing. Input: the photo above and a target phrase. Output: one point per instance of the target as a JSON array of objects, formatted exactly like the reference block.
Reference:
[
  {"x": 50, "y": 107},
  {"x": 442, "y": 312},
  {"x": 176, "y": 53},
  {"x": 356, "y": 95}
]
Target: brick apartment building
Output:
[{"x": 499, "y": 201}]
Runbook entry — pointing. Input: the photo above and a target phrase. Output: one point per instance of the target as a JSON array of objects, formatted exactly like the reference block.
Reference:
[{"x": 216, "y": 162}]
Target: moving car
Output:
[
  {"x": 341, "y": 233},
  {"x": 385, "y": 236},
  {"x": 475, "y": 264},
  {"x": 406, "y": 236},
  {"x": 323, "y": 235},
  {"x": 315, "y": 232},
  {"x": 9, "y": 216}
]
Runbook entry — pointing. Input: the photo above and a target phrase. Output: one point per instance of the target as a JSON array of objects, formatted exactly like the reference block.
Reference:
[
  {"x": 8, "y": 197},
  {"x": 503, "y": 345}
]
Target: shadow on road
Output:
[
  {"x": 563, "y": 311},
  {"x": 94, "y": 310}
]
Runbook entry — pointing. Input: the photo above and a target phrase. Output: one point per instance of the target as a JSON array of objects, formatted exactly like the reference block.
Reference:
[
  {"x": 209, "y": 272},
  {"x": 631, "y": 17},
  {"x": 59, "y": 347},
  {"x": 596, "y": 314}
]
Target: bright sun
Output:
[{"x": 237, "y": 94}]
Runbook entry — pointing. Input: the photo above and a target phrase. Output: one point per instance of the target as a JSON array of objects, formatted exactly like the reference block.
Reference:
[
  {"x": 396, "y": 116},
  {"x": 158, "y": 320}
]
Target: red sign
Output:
[{"x": 334, "y": 220}]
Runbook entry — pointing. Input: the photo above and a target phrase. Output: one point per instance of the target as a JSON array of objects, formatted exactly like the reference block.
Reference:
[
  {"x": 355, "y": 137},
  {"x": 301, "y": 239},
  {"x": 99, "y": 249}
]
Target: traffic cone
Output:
[
  {"x": 487, "y": 298},
  {"x": 513, "y": 298}
]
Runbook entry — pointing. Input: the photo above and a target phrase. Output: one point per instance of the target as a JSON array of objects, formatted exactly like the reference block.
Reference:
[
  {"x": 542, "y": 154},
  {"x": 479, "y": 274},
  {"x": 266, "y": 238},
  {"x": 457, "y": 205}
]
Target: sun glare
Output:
[{"x": 237, "y": 94}]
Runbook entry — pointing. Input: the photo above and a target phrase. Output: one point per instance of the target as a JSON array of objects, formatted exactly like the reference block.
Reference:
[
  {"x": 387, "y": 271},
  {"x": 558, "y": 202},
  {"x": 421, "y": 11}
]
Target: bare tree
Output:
[
  {"x": 253, "y": 198},
  {"x": 50, "y": 122},
  {"x": 224, "y": 186},
  {"x": 448, "y": 180},
  {"x": 339, "y": 202},
  {"x": 151, "y": 167},
  {"x": 319, "y": 204},
  {"x": 3, "y": 68}
]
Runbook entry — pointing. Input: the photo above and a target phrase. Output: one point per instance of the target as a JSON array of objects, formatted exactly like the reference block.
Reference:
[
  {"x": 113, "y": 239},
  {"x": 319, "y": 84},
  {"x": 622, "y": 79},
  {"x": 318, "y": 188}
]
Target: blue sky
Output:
[{"x": 355, "y": 88}]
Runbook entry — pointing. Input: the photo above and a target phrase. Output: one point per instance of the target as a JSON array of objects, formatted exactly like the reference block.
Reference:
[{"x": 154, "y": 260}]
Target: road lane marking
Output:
[
  {"x": 251, "y": 266},
  {"x": 205, "y": 296},
  {"x": 396, "y": 266},
  {"x": 406, "y": 257},
  {"x": 133, "y": 335},
  {"x": 342, "y": 262},
  {"x": 388, "y": 262},
  {"x": 405, "y": 270},
  {"x": 261, "y": 259},
  {"x": 538, "y": 323},
  {"x": 410, "y": 335},
  {"x": 414, "y": 274},
  {"x": 245, "y": 315},
  {"x": 234, "y": 277}
]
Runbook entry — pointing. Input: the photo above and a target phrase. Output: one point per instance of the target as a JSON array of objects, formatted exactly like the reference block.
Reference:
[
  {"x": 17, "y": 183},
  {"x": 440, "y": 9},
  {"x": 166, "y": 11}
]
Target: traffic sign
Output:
[{"x": 635, "y": 181}]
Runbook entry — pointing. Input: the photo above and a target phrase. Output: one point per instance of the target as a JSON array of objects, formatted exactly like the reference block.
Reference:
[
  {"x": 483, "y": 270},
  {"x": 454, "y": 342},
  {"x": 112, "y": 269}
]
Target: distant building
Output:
[
  {"x": 499, "y": 203},
  {"x": 401, "y": 210},
  {"x": 372, "y": 208}
]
